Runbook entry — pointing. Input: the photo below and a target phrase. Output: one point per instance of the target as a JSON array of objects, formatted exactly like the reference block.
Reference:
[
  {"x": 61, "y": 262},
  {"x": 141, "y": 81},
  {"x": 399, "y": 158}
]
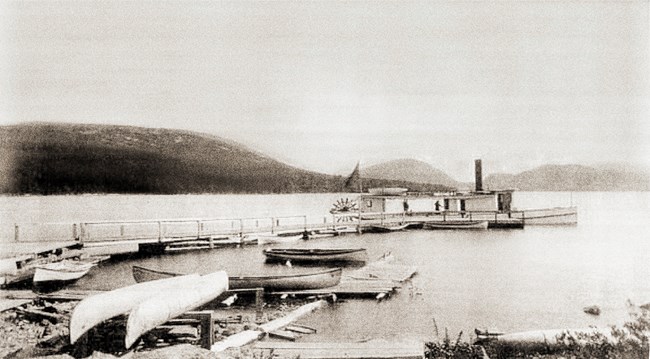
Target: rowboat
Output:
[
  {"x": 313, "y": 280},
  {"x": 60, "y": 273},
  {"x": 382, "y": 228},
  {"x": 99, "y": 307},
  {"x": 280, "y": 238},
  {"x": 317, "y": 255},
  {"x": 456, "y": 224},
  {"x": 169, "y": 304}
]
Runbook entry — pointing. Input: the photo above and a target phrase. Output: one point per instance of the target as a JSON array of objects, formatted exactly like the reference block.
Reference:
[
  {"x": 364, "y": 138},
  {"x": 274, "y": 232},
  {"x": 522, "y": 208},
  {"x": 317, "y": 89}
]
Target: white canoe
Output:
[
  {"x": 172, "y": 303},
  {"x": 100, "y": 307},
  {"x": 456, "y": 224},
  {"x": 65, "y": 271}
]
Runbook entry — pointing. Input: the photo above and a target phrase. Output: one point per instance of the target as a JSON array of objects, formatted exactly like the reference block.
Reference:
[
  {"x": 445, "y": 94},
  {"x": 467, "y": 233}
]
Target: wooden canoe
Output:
[
  {"x": 167, "y": 305},
  {"x": 312, "y": 280},
  {"x": 456, "y": 224},
  {"x": 100, "y": 307},
  {"x": 316, "y": 254}
]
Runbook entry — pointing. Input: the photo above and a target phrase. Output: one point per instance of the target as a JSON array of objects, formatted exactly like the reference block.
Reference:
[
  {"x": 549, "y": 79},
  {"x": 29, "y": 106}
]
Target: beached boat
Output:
[
  {"x": 61, "y": 273},
  {"x": 99, "y": 307},
  {"x": 382, "y": 228},
  {"x": 467, "y": 224},
  {"x": 544, "y": 339},
  {"x": 316, "y": 254},
  {"x": 312, "y": 280},
  {"x": 169, "y": 304}
]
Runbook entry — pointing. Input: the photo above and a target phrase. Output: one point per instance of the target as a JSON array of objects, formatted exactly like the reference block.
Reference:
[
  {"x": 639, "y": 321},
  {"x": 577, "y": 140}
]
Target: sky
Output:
[{"x": 324, "y": 84}]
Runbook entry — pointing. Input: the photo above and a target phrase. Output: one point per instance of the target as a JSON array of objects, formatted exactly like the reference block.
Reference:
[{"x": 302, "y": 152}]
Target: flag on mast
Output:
[{"x": 354, "y": 180}]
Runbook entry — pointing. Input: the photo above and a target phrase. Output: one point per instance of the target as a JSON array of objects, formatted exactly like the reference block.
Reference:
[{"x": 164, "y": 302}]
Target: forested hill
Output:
[
  {"x": 409, "y": 170},
  {"x": 617, "y": 177},
  {"x": 46, "y": 158}
]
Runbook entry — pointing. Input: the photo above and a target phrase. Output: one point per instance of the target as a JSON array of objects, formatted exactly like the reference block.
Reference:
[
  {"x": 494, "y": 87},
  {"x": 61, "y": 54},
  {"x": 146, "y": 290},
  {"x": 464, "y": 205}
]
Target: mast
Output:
[{"x": 360, "y": 178}]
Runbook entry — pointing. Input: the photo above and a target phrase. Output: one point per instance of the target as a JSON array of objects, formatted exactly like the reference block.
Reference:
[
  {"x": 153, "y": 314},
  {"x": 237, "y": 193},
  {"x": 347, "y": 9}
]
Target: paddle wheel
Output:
[{"x": 345, "y": 210}]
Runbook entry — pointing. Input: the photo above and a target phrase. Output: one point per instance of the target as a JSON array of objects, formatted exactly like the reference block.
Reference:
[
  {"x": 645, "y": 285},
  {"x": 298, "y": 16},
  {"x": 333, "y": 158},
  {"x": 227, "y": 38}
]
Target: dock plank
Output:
[
  {"x": 325, "y": 350},
  {"x": 21, "y": 249},
  {"x": 377, "y": 278}
]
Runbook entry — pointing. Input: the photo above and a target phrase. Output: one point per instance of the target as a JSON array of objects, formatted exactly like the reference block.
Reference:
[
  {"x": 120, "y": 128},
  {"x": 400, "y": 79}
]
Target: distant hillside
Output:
[
  {"x": 409, "y": 170},
  {"x": 49, "y": 158},
  {"x": 573, "y": 178}
]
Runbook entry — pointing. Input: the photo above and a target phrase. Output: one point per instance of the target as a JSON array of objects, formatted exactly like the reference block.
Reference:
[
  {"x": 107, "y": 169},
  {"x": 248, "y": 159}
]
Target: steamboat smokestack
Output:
[{"x": 478, "y": 175}]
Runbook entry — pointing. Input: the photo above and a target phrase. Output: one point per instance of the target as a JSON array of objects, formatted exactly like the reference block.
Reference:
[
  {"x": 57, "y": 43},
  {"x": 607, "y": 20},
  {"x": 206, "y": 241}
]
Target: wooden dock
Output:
[
  {"x": 377, "y": 279},
  {"x": 36, "y": 241},
  {"x": 374, "y": 349}
]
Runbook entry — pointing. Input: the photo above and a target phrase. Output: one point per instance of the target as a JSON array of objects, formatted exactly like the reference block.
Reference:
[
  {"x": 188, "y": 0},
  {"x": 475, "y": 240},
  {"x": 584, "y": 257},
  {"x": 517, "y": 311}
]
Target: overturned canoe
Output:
[
  {"x": 100, "y": 307},
  {"x": 162, "y": 307},
  {"x": 457, "y": 224},
  {"x": 316, "y": 254},
  {"x": 312, "y": 280}
]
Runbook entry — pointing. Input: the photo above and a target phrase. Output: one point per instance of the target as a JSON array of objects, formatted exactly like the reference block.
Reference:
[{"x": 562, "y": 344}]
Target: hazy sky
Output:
[{"x": 321, "y": 85}]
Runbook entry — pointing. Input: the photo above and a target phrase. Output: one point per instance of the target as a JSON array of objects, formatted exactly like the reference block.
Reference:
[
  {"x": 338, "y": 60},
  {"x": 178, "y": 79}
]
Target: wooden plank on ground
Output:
[
  {"x": 17, "y": 294},
  {"x": 379, "y": 344},
  {"x": 6, "y": 304},
  {"x": 300, "y": 329},
  {"x": 369, "y": 350},
  {"x": 69, "y": 294},
  {"x": 284, "y": 334},
  {"x": 39, "y": 314}
]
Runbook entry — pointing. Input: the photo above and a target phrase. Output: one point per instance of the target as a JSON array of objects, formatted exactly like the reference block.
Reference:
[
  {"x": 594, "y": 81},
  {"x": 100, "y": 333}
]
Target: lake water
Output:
[{"x": 539, "y": 277}]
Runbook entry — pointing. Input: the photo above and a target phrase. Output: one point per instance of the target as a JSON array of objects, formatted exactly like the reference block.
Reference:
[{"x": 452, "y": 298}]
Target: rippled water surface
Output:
[{"x": 539, "y": 277}]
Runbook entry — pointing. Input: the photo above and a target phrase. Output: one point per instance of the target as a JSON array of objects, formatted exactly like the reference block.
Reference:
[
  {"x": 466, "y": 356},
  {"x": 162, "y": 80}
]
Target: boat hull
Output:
[
  {"x": 313, "y": 280},
  {"x": 545, "y": 339},
  {"x": 384, "y": 228},
  {"x": 273, "y": 239},
  {"x": 164, "y": 306},
  {"x": 100, "y": 307},
  {"x": 316, "y": 255},
  {"x": 60, "y": 273},
  {"x": 551, "y": 216},
  {"x": 456, "y": 225}
]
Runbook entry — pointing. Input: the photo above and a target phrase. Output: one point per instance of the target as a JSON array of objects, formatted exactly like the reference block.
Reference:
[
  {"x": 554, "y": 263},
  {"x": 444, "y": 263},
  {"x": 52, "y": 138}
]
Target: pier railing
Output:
[
  {"x": 163, "y": 230},
  {"x": 166, "y": 230}
]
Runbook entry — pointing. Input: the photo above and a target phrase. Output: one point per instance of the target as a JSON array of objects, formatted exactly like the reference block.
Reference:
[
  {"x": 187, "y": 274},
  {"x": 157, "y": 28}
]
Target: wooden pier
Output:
[
  {"x": 34, "y": 242},
  {"x": 378, "y": 279}
]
